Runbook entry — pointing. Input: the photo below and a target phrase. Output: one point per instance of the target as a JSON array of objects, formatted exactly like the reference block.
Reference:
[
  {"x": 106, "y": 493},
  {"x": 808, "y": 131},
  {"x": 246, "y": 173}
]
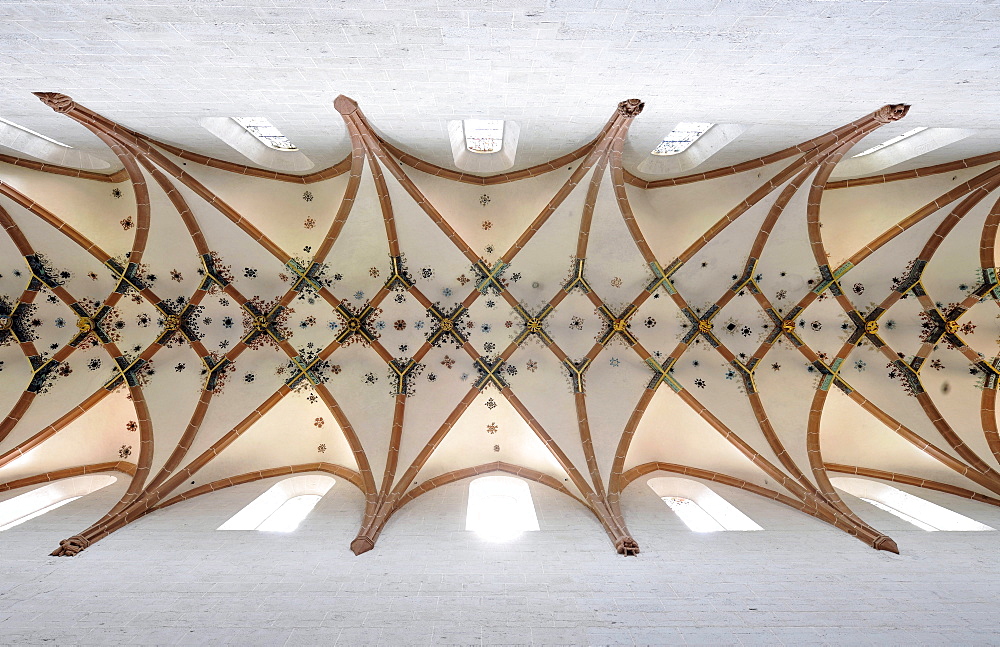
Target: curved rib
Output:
[
  {"x": 348, "y": 475},
  {"x": 55, "y": 475},
  {"x": 112, "y": 178},
  {"x": 879, "y": 542},
  {"x": 486, "y": 468}
]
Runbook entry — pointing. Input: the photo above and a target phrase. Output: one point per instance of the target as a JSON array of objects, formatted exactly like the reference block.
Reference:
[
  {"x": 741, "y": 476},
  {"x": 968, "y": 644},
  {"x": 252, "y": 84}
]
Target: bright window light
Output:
[
  {"x": 902, "y": 515},
  {"x": 28, "y": 130},
  {"x": 291, "y": 513},
  {"x": 500, "y": 508},
  {"x": 27, "y": 506},
  {"x": 38, "y": 513},
  {"x": 692, "y": 514},
  {"x": 701, "y": 509},
  {"x": 681, "y": 138},
  {"x": 921, "y": 513},
  {"x": 283, "y": 506},
  {"x": 498, "y": 518},
  {"x": 266, "y": 133},
  {"x": 483, "y": 135},
  {"x": 890, "y": 142}
]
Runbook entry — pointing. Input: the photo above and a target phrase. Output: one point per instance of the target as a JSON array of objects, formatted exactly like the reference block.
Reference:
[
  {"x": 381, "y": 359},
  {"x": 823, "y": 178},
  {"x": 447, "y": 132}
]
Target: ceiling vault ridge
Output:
[{"x": 158, "y": 477}]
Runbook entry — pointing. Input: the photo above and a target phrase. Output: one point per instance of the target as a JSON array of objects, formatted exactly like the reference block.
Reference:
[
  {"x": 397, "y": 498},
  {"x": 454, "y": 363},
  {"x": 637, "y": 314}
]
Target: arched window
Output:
[
  {"x": 259, "y": 141},
  {"x": 681, "y": 137},
  {"x": 283, "y": 507},
  {"x": 701, "y": 509},
  {"x": 266, "y": 133},
  {"x": 912, "y": 509},
  {"x": 29, "y": 505},
  {"x": 32, "y": 132},
  {"x": 500, "y": 508},
  {"x": 891, "y": 141},
  {"x": 34, "y": 144},
  {"x": 905, "y": 146},
  {"x": 689, "y": 146},
  {"x": 483, "y": 135},
  {"x": 483, "y": 145}
]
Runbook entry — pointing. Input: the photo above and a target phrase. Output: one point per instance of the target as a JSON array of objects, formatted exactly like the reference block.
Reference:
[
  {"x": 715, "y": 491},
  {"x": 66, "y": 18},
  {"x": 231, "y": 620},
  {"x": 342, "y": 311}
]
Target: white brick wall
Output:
[
  {"x": 172, "y": 578},
  {"x": 790, "y": 68}
]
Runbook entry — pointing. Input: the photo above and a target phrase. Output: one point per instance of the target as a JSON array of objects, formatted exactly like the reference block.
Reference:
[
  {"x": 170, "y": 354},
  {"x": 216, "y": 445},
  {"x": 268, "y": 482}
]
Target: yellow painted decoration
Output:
[{"x": 871, "y": 327}]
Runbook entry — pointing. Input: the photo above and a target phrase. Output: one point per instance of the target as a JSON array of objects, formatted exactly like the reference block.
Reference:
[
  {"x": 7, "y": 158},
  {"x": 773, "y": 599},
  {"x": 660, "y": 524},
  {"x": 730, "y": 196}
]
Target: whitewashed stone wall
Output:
[{"x": 171, "y": 578}]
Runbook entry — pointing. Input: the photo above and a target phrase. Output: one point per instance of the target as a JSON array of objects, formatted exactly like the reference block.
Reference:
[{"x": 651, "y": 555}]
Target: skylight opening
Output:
[
  {"x": 500, "y": 508},
  {"x": 27, "y": 506},
  {"x": 890, "y": 142},
  {"x": 483, "y": 135},
  {"x": 921, "y": 513},
  {"x": 38, "y": 513},
  {"x": 700, "y": 508},
  {"x": 681, "y": 138},
  {"x": 32, "y": 132},
  {"x": 291, "y": 513},
  {"x": 283, "y": 506},
  {"x": 902, "y": 515},
  {"x": 692, "y": 514},
  {"x": 266, "y": 133}
]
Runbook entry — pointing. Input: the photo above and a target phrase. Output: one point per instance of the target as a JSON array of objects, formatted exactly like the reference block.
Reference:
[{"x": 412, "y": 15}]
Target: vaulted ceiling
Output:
[{"x": 197, "y": 324}]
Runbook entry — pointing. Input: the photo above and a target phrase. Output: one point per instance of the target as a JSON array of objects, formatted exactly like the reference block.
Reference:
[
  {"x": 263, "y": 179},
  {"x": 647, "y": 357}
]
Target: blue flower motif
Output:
[
  {"x": 60, "y": 322},
  {"x": 359, "y": 295},
  {"x": 332, "y": 325},
  {"x": 380, "y": 324},
  {"x": 446, "y": 292},
  {"x": 615, "y": 361},
  {"x": 418, "y": 325},
  {"x": 486, "y": 327}
]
